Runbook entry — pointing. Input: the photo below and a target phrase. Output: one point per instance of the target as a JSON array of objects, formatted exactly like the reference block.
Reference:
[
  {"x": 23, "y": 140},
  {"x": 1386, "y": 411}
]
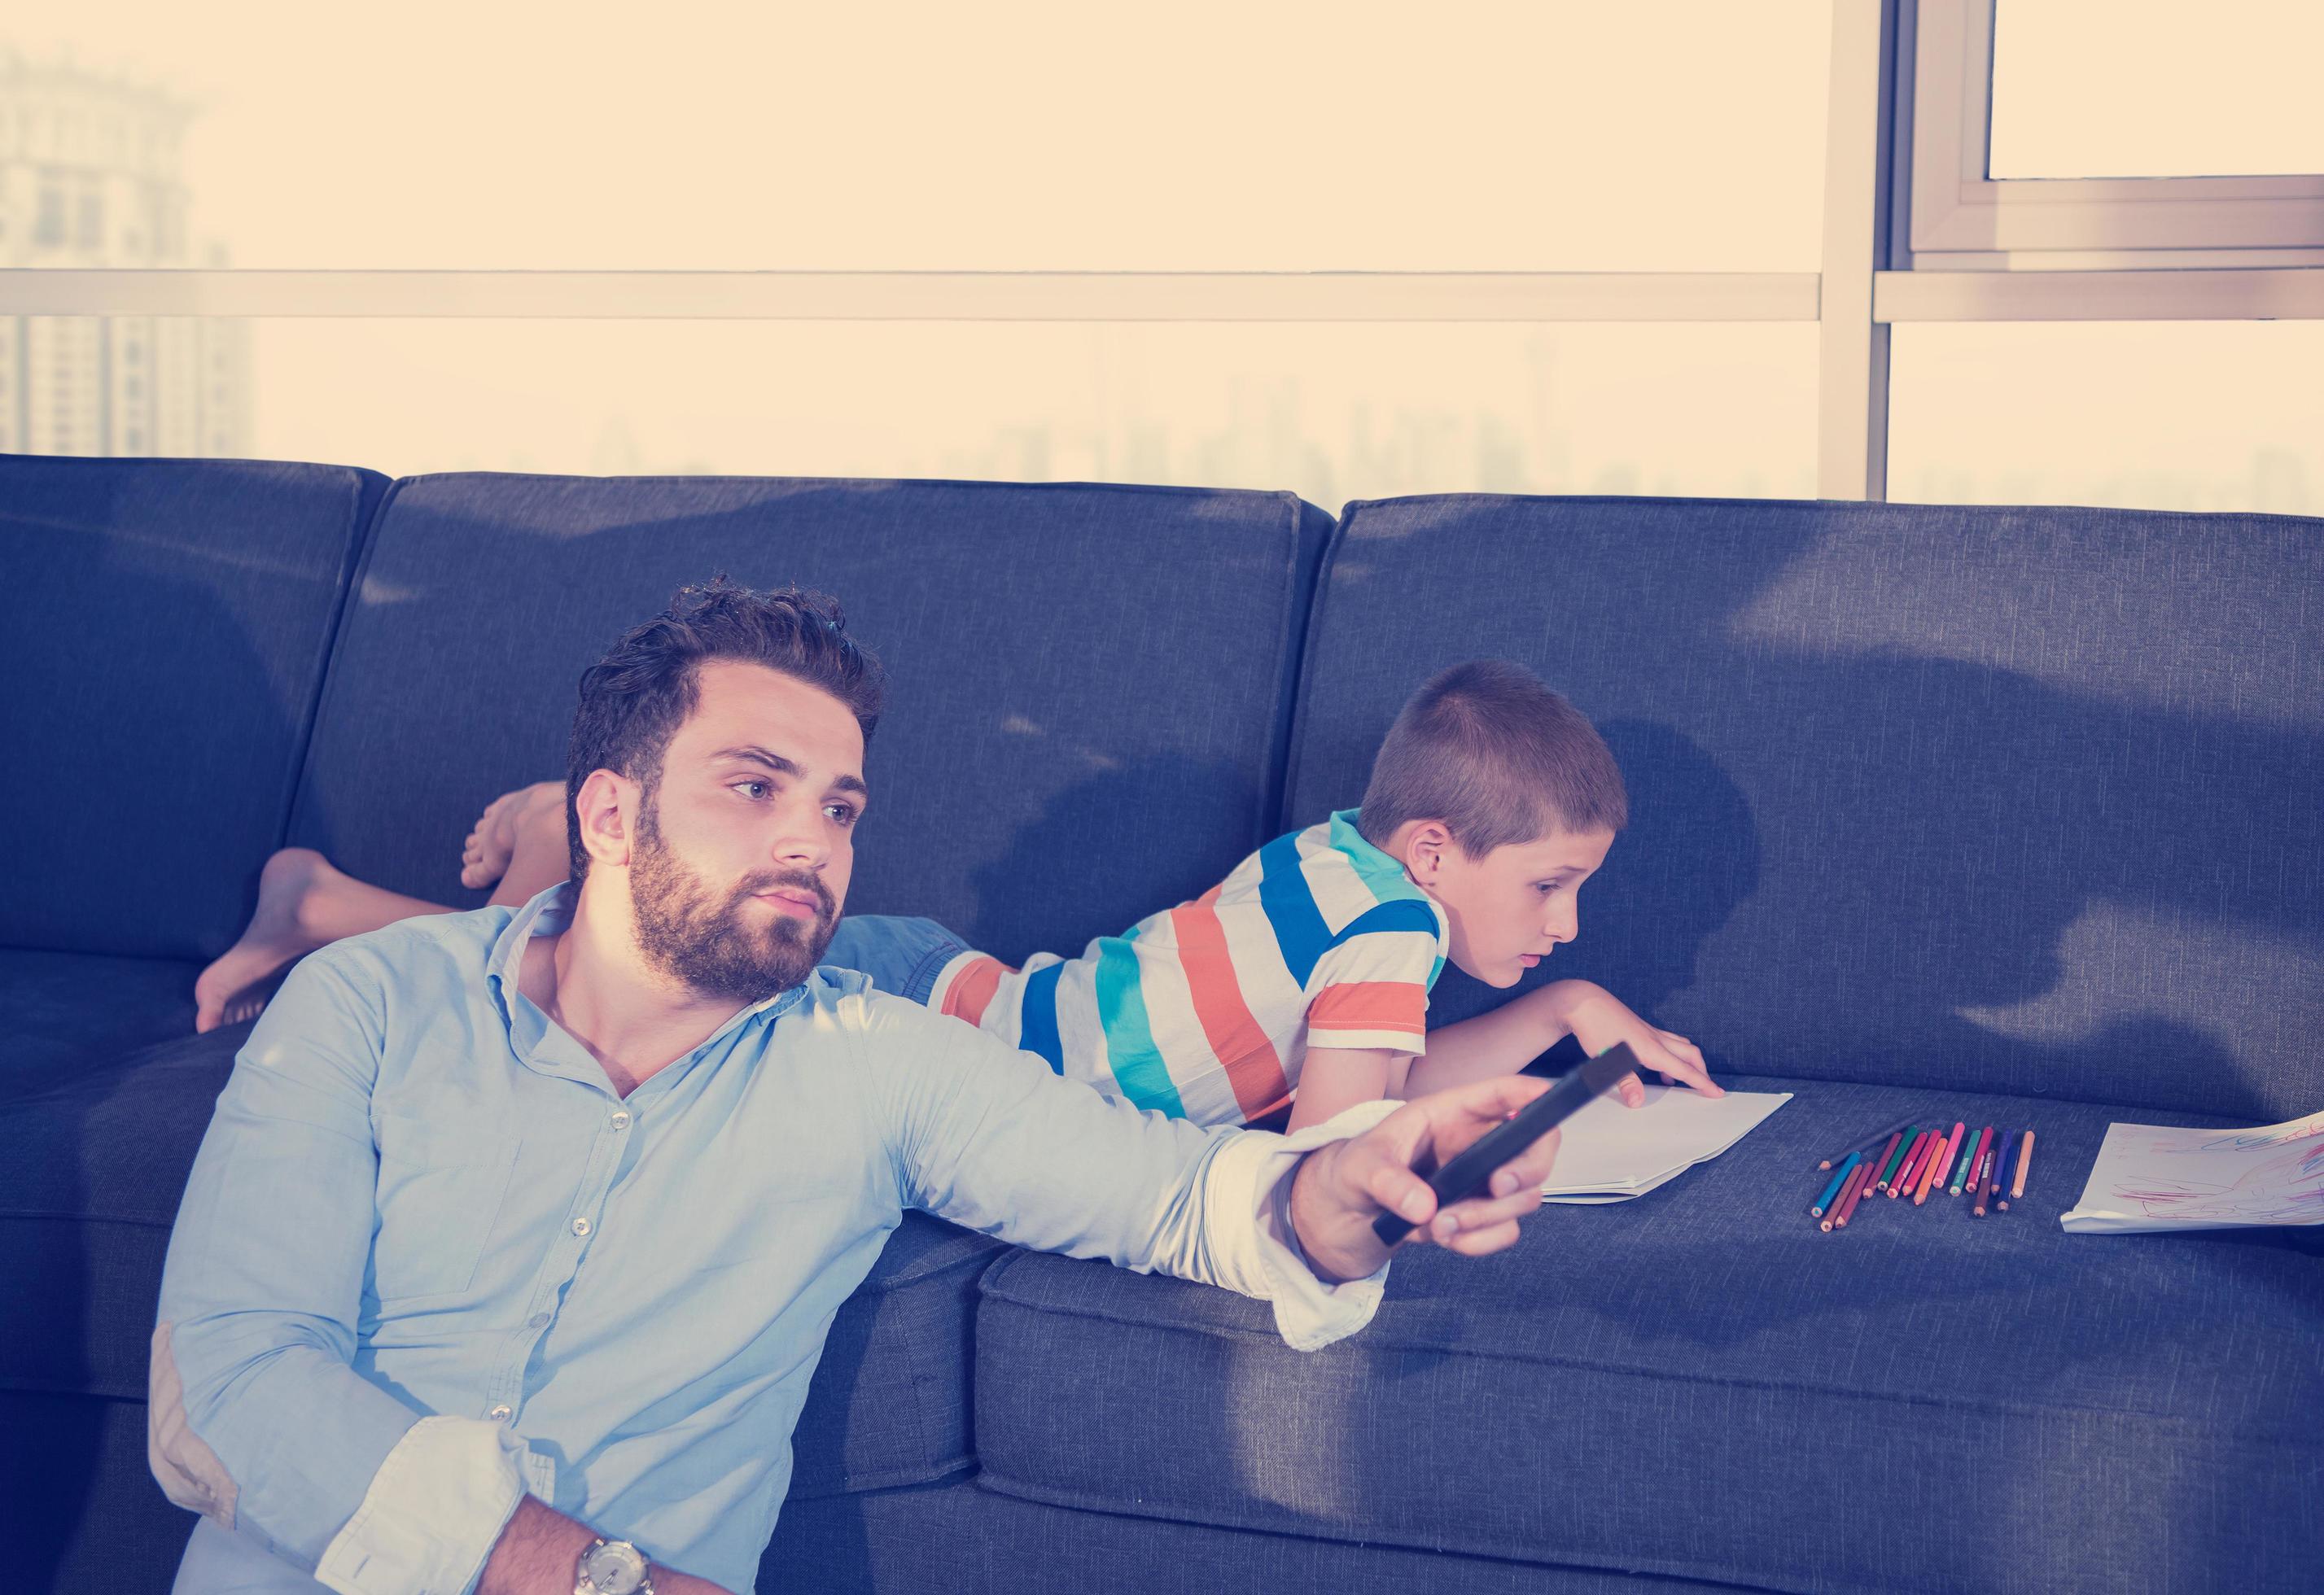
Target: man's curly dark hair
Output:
[{"x": 634, "y": 698}]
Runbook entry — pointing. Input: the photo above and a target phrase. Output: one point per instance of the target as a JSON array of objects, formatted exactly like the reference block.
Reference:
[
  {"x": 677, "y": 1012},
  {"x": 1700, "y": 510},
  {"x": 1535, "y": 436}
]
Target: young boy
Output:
[{"x": 1303, "y": 978}]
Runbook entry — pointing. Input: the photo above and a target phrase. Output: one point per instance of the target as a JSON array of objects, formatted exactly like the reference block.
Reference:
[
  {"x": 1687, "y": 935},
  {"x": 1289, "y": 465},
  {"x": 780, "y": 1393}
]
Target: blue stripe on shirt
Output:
[
  {"x": 1289, "y": 900},
  {"x": 1038, "y": 1016}
]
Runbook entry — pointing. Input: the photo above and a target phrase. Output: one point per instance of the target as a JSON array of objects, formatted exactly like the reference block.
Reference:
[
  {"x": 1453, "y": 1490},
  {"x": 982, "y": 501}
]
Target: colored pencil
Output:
[
  {"x": 1831, "y": 1218},
  {"x": 1851, "y": 1196},
  {"x": 1998, "y": 1179},
  {"x": 1932, "y": 1165},
  {"x": 1977, "y": 1157},
  {"x": 1961, "y": 1165},
  {"x": 1981, "y": 1187},
  {"x": 1887, "y": 1158},
  {"x": 1912, "y": 1165},
  {"x": 1894, "y": 1170},
  {"x": 1944, "y": 1167},
  {"x": 1865, "y": 1144},
  {"x": 1929, "y": 1155},
  {"x": 2024, "y": 1162},
  {"x": 1823, "y": 1203}
]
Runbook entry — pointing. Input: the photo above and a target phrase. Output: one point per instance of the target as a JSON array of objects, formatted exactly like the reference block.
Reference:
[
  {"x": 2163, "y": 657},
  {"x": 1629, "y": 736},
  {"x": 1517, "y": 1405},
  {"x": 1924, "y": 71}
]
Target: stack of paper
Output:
[
  {"x": 1610, "y": 1153},
  {"x": 2151, "y": 1176}
]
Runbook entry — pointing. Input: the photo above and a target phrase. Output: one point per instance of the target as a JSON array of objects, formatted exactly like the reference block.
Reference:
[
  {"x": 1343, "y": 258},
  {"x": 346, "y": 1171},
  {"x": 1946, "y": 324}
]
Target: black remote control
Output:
[{"x": 1467, "y": 1173}]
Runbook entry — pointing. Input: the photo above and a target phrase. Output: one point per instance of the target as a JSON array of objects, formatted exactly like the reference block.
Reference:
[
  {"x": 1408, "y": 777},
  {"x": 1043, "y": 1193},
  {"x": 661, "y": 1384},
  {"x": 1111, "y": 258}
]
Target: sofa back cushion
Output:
[
  {"x": 162, "y": 629},
  {"x": 2019, "y": 800},
  {"x": 1088, "y": 686}
]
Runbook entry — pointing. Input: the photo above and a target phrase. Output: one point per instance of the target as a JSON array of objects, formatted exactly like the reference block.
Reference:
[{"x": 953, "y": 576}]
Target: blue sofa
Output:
[{"x": 1999, "y": 814}]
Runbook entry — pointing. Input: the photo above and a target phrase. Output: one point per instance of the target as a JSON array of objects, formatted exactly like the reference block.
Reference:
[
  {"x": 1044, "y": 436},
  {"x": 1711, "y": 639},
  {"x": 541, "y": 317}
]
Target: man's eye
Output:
[
  {"x": 846, "y": 814},
  {"x": 754, "y": 790}
]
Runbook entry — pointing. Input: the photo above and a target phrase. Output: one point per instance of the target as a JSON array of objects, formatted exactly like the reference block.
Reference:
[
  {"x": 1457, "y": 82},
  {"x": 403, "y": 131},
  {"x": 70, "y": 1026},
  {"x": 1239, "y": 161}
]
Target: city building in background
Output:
[{"x": 90, "y": 176}]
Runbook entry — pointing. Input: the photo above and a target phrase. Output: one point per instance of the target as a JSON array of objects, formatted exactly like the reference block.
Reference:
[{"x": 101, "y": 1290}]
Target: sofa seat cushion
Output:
[
  {"x": 104, "y": 1151},
  {"x": 1692, "y": 1383},
  {"x": 888, "y": 1404},
  {"x": 58, "y": 1009}
]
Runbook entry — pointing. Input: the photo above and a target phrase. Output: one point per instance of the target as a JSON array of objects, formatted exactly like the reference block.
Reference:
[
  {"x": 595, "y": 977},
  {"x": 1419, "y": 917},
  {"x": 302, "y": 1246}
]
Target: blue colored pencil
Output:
[{"x": 1823, "y": 1203}]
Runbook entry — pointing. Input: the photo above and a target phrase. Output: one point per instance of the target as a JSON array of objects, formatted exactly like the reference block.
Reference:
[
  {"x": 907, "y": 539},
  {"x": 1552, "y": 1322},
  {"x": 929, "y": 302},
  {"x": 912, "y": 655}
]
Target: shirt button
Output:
[
  {"x": 580, "y": 1226},
  {"x": 621, "y": 1118},
  {"x": 499, "y": 1414},
  {"x": 538, "y": 1321}
]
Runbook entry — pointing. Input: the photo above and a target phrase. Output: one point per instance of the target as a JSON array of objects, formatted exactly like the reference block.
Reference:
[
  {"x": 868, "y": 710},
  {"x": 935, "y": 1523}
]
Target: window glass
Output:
[
  {"x": 924, "y": 134},
  {"x": 2210, "y": 415},
  {"x": 2157, "y": 89},
  {"x": 1331, "y": 411}
]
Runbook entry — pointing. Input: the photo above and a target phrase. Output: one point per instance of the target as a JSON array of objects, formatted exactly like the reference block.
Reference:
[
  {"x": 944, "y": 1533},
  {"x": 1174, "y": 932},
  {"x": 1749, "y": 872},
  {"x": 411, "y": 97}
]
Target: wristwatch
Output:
[{"x": 612, "y": 1567}]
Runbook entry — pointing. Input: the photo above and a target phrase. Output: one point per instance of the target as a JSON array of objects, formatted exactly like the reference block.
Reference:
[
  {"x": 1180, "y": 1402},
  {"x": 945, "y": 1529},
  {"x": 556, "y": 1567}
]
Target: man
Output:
[{"x": 515, "y": 1238}]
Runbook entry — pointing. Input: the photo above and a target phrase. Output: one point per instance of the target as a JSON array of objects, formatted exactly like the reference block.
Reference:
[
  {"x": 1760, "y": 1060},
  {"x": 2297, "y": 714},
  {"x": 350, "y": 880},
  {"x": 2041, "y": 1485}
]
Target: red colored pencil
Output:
[
  {"x": 1832, "y": 1218},
  {"x": 1847, "y": 1206},
  {"x": 1904, "y": 1175},
  {"x": 1977, "y": 1158},
  {"x": 1931, "y": 1167},
  {"x": 1886, "y": 1152},
  {"x": 1982, "y": 1183}
]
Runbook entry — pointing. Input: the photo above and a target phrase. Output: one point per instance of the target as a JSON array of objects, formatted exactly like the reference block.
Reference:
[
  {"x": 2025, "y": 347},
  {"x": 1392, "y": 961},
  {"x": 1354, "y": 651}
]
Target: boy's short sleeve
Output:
[{"x": 1371, "y": 991}]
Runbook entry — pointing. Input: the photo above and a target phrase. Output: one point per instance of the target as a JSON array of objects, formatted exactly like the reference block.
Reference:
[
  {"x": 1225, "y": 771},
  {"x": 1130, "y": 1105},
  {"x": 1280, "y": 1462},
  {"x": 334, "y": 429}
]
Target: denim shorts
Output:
[{"x": 902, "y": 956}]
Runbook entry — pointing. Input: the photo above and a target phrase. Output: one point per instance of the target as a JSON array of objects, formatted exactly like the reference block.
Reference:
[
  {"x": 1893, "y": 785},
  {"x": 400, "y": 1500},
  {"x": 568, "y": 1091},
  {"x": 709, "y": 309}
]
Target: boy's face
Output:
[{"x": 1510, "y": 910}]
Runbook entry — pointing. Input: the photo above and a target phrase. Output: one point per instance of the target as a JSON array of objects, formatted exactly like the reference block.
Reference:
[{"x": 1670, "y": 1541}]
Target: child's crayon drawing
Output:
[{"x": 2151, "y": 1176}]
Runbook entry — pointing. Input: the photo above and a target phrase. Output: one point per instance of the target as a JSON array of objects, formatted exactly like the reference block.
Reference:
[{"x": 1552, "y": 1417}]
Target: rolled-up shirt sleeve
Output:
[
  {"x": 989, "y": 1137},
  {"x": 258, "y": 1419}
]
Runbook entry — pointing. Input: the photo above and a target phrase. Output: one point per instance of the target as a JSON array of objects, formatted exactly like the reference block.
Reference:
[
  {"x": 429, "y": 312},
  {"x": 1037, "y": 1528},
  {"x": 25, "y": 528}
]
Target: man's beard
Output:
[{"x": 709, "y": 946}]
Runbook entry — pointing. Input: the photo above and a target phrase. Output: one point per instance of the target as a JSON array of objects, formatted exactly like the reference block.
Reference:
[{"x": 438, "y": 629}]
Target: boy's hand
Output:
[
  {"x": 1339, "y": 1188},
  {"x": 1598, "y": 1019}
]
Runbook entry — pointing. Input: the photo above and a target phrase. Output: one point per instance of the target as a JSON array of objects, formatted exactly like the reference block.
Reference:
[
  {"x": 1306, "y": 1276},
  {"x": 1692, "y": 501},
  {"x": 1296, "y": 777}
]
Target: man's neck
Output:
[{"x": 591, "y": 979}]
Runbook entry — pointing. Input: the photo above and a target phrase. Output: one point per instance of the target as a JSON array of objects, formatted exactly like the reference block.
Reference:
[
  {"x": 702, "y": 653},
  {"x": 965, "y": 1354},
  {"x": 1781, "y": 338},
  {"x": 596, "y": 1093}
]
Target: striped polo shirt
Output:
[{"x": 1206, "y": 1010}]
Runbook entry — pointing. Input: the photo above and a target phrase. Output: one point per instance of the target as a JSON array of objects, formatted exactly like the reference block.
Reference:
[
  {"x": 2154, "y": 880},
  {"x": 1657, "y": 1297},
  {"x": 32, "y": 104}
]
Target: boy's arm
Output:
[
  {"x": 1521, "y": 1030},
  {"x": 1334, "y": 1079}
]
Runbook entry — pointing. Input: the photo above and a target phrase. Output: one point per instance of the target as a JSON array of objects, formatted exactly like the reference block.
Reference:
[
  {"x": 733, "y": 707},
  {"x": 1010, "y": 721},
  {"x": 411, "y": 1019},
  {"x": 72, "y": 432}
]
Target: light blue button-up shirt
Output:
[{"x": 429, "y": 1260}]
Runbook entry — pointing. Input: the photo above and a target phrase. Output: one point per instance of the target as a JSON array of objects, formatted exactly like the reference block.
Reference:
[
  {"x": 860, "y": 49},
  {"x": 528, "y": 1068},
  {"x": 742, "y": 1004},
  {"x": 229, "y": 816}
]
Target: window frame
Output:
[{"x": 1962, "y": 218}]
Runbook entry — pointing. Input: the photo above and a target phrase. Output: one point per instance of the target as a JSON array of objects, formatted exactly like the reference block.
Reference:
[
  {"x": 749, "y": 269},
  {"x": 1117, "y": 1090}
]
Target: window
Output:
[
  {"x": 2153, "y": 89},
  {"x": 2005, "y": 107},
  {"x": 49, "y": 227},
  {"x": 1029, "y": 134},
  {"x": 2206, "y": 415},
  {"x": 1333, "y": 411}
]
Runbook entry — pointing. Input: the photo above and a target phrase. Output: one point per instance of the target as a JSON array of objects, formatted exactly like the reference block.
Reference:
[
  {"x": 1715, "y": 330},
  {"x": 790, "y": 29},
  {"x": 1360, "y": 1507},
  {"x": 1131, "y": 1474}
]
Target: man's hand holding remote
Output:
[{"x": 1341, "y": 1188}]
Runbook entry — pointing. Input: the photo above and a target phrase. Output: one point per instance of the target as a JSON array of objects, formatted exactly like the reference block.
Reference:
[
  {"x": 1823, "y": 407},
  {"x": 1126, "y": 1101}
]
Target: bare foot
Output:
[
  {"x": 235, "y": 987},
  {"x": 485, "y": 856}
]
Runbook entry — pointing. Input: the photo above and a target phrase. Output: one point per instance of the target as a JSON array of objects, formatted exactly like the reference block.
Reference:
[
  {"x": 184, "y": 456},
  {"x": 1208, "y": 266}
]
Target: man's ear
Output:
[
  {"x": 1424, "y": 850},
  {"x": 606, "y": 811}
]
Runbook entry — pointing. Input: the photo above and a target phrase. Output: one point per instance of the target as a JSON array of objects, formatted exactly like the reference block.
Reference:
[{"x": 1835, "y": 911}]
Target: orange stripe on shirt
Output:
[
  {"x": 1370, "y": 1005},
  {"x": 1236, "y": 1040},
  {"x": 972, "y": 988}
]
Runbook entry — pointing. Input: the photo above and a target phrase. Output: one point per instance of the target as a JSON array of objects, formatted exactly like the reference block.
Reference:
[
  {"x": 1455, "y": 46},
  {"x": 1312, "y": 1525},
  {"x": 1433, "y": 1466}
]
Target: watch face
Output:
[{"x": 614, "y": 1569}]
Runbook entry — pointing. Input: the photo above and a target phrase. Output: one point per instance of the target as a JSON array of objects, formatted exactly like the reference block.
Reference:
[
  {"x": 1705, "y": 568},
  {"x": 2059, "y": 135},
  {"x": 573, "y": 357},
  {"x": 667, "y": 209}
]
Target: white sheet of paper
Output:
[
  {"x": 1610, "y": 1153},
  {"x": 2152, "y": 1177}
]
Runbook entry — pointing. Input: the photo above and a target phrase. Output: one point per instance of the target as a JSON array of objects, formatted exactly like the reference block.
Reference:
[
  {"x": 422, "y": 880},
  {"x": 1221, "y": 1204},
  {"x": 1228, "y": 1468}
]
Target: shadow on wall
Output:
[
  {"x": 1688, "y": 822},
  {"x": 1103, "y": 854}
]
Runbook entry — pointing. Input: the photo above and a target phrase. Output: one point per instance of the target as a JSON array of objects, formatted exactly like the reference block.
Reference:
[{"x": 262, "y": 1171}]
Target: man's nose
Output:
[
  {"x": 1565, "y": 924},
  {"x": 802, "y": 840}
]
